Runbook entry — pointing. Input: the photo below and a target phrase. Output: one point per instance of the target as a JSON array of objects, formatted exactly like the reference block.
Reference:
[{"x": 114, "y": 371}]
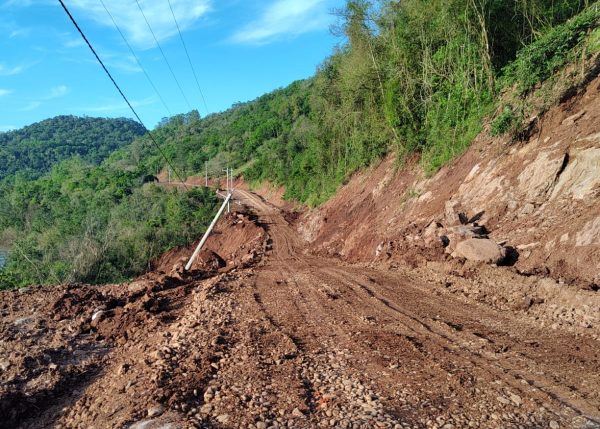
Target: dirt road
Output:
[
  {"x": 293, "y": 341},
  {"x": 427, "y": 359}
]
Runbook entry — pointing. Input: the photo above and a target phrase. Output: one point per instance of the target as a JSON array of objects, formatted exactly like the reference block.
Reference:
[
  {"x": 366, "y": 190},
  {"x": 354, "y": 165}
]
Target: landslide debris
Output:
[
  {"x": 290, "y": 340},
  {"x": 529, "y": 206}
]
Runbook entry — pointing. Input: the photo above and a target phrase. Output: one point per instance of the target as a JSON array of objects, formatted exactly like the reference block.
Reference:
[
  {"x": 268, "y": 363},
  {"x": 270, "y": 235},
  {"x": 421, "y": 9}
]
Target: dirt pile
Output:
[
  {"x": 74, "y": 347},
  {"x": 236, "y": 240},
  {"x": 539, "y": 196}
]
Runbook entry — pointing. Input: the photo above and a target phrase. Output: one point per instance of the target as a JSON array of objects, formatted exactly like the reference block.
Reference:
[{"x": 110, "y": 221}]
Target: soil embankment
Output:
[{"x": 531, "y": 206}]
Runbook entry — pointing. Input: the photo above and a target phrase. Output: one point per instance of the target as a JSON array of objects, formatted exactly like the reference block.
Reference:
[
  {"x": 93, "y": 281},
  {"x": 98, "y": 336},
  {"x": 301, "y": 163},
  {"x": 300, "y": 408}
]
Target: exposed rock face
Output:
[
  {"x": 481, "y": 250},
  {"x": 544, "y": 189}
]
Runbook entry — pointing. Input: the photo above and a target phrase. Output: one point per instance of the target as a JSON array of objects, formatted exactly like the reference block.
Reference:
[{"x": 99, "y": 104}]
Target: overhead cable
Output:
[
  {"x": 121, "y": 92},
  {"x": 136, "y": 58},
  {"x": 188, "y": 57},
  {"x": 163, "y": 55}
]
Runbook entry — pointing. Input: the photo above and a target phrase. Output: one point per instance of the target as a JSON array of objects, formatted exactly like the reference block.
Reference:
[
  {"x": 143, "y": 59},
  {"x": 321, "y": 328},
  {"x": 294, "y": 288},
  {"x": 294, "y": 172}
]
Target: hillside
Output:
[
  {"x": 34, "y": 149},
  {"x": 414, "y": 243},
  {"x": 413, "y": 79}
]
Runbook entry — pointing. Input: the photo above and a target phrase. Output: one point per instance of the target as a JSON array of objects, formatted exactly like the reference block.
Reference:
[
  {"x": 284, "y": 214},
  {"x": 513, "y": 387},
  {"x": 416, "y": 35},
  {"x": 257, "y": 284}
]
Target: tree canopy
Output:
[{"x": 34, "y": 149}]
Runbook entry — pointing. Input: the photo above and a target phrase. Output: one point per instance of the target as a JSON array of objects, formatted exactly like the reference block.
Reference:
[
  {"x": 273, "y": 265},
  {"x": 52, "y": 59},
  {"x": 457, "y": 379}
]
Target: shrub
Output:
[{"x": 504, "y": 122}]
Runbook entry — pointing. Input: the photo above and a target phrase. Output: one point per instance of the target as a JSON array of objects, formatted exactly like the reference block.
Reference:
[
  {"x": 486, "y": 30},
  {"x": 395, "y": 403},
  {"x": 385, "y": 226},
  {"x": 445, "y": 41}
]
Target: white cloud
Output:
[
  {"x": 123, "y": 62},
  {"x": 119, "y": 106},
  {"x": 74, "y": 43},
  {"x": 4, "y": 92},
  {"x": 56, "y": 92},
  {"x": 285, "y": 18},
  {"x": 11, "y": 71},
  {"x": 19, "y": 32},
  {"x": 53, "y": 93},
  {"x": 132, "y": 23},
  {"x": 32, "y": 105}
]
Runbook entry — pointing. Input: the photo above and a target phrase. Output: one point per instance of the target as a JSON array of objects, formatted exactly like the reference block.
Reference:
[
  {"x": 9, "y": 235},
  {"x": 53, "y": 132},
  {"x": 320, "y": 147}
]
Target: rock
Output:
[
  {"x": 431, "y": 230},
  {"x": 574, "y": 118},
  {"x": 467, "y": 231},
  {"x": 516, "y": 399},
  {"x": 481, "y": 250},
  {"x": 156, "y": 411},
  {"x": 223, "y": 418},
  {"x": 554, "y": 424},
  {"x": 590, "y": 234},
  {"x": 523, "y": 304},
  {"x": 249, "y": 257},
  {"x": 261, "y": 425},
  {"x": 144, "y": 424},
  {"x": 451, "y": 210},
  {"x": 4, "y": 364},
  {"x": 459, "y": 233},
  {"x": 97, "y": 317},
  {"x": 528, "y": 209},
  {"x": 503, "y": 400},
  {"x": 297, "y": 413},
  {"x": 580, "y": 178}
]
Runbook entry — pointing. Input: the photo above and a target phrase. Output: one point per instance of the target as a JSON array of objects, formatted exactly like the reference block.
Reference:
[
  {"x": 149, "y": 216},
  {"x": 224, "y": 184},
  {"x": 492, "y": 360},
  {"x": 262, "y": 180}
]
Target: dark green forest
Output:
[
  {"x": 416, "y": 78},
  {"x": 34, "y": 149}
]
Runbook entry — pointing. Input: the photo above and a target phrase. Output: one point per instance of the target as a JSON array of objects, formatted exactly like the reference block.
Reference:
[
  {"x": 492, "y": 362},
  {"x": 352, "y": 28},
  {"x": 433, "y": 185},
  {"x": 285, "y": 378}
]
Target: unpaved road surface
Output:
[{"x": 287, "y": 339}]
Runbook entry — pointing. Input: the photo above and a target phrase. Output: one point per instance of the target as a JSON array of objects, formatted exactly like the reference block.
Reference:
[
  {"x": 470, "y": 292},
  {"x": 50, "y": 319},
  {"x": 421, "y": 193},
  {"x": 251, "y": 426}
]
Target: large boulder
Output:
[{"x": 480, "y": 249}]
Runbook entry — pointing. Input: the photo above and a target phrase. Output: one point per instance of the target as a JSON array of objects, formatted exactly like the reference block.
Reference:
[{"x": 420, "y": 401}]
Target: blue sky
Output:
[{"x": 239, "y": 49}]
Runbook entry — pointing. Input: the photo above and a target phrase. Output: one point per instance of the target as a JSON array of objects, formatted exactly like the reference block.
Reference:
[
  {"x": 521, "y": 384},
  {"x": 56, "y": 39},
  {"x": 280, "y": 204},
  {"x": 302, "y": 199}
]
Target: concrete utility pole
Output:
[
  {"x": 207, "y": 233},
  {"x": 226, "y": 170},
  {"x": 206, "y": 170},
  {"x": 169, "y": 174}
]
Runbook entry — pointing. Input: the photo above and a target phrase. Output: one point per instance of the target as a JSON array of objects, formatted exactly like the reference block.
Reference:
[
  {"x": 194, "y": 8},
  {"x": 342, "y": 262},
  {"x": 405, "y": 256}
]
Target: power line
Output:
[
  {"x": 136, "y": 58},
  {"x": 188, "y": 57},
  {"x": 163, "y": 55},
  {"x": 121, "y": 92}
]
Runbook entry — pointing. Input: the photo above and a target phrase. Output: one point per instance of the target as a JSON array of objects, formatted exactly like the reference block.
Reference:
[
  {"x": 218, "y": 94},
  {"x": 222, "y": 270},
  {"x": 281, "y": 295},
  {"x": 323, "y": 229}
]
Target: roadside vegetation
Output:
[
  {"x": 415, "y": 77},
  {"x": 93, "y": 224}
]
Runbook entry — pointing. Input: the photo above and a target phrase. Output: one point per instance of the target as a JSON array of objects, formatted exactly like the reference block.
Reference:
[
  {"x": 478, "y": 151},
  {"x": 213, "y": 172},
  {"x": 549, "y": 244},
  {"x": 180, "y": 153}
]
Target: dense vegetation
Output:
[
  {"x": 36, "y": 148},
  {"x": 93, "y": 224},
  {"x": 69, "y": 216},
  {"x": 417, "y": 77},
  {"x": 414, "y": 76}
]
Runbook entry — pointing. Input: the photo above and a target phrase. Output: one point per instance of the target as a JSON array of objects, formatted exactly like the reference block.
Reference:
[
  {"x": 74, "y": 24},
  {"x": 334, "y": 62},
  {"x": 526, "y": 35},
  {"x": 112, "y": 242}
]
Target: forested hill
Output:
[
  {"x": 415, "y": 77},
  {"x": 34, "y": 149}
]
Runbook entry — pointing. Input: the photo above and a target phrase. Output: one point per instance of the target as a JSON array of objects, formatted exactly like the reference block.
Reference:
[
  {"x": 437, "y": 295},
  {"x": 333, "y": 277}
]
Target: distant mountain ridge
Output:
[{"x": 34, "y": 149}]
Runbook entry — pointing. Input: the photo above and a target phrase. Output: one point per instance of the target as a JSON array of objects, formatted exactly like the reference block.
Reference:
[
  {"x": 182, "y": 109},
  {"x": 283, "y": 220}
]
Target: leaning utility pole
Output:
[
  {"x": 207, "y": 233},
  {"x": 226, "y": 170}
]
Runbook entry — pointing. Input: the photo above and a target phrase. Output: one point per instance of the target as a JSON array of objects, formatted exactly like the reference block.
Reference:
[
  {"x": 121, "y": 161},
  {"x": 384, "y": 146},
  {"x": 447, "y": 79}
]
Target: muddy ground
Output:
[{"x": 265, "y": 334}]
